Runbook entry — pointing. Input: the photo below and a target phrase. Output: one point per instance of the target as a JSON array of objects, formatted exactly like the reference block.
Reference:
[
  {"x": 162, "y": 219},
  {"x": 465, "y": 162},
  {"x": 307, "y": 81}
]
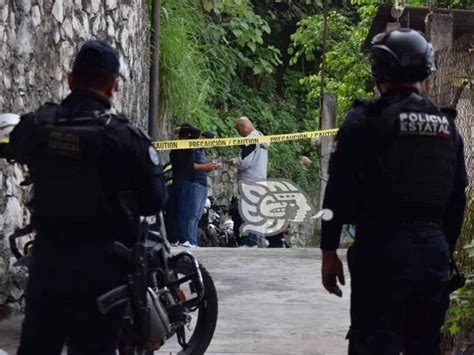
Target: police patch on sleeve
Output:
[{"x": 153, "y": 154}]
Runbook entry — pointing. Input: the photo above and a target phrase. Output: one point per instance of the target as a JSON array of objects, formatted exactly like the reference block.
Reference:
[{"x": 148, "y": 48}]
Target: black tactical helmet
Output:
[{"x": 401, "y": 55}]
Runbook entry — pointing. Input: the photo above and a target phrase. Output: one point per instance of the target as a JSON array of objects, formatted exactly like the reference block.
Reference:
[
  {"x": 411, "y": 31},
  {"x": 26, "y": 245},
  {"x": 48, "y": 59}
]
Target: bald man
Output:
[{"x": 251, "y": 165}]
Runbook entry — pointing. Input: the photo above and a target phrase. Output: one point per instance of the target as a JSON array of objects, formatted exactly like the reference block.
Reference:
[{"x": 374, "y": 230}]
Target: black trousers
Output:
[
  {"x": 399, "y": 292},
  {"x": 49, "y": 323}
]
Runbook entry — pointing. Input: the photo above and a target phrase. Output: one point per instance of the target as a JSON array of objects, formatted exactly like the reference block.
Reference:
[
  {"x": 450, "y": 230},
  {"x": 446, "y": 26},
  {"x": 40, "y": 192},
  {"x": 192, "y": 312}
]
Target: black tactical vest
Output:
[
  {"x": 66, "y": 165},
  {"x": 410, "y": 159}
]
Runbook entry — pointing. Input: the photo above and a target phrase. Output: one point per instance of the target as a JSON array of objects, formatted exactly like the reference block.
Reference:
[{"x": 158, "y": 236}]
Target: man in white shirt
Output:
[{"x": 251, "y": 164}]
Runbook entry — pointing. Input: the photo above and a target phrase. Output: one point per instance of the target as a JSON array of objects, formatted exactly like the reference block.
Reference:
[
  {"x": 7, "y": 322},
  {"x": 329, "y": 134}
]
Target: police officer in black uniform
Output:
[
  {"x": 81, "y": 156},
  {"x": 397, "y": 172}
]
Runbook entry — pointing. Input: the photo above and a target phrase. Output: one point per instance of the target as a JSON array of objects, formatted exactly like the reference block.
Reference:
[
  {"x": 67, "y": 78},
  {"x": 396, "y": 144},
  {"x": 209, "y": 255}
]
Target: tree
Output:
[{"x": 347, "y": 69}]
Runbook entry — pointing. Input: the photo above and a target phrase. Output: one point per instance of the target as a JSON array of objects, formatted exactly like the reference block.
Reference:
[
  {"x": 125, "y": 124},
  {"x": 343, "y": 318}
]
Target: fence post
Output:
[
  {"x": 154, "y": 70},
  {"x": 439, "y": 29},
  {"x": 328, "y": 121}
]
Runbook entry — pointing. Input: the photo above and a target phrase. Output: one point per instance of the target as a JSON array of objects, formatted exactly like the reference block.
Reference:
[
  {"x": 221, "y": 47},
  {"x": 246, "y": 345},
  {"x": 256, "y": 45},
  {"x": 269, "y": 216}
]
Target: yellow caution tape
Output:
[{"x": 230, "y": 142}]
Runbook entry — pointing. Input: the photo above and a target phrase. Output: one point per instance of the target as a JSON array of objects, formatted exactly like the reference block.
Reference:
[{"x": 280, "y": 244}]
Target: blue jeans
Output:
[
  {"x": 196, "y": 207},
  {"x": 177, "y": 210},
  {"x": 249, "y": 240},
  {"x": 184, "y": 193}
]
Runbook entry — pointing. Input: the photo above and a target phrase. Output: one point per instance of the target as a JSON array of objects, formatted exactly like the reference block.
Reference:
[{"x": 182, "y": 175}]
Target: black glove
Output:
[{"x": 5, "y": 151}]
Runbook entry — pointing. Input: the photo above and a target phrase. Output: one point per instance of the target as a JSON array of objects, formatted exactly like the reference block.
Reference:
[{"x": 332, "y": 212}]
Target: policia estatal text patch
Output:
[{"x": 423, "y": 124}]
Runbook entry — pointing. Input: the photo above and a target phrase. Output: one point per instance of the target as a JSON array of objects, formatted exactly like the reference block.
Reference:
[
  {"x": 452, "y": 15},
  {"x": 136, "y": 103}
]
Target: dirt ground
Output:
[{"x": 270, "y": 302}]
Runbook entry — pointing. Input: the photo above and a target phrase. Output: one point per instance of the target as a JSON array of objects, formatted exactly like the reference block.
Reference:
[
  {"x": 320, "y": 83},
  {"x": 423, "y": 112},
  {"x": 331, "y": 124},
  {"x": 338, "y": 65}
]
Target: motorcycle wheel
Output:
[
  {"x": 205, "y": 323},
  {"x": 207, "y": 239},
  {"x": 202, "y": 239},
  {"x": 207, "y": 311},
  {"x": 212, "y": 236}
]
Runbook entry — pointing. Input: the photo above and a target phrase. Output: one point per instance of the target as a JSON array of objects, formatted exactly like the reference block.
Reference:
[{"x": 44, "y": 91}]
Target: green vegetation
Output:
[
  {"x": 454, "y": 4},
  {"x": 347, "y": 68},
  {"x": 221, "y": 59},
  {"x": 184, "y": 82},
  {"x": 460, "y": 319}
]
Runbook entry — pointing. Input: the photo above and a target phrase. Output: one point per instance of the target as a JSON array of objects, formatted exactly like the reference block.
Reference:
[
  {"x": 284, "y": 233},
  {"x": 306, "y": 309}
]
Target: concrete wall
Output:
[{"x": 38, "y": 39}]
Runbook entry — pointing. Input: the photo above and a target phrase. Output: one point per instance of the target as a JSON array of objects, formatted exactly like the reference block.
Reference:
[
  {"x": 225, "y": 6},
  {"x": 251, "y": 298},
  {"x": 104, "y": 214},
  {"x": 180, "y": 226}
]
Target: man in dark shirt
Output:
[
  {"x": 81, "y": 156},
  {"x": 181, "y": 189},
  {"x": 397, "y": 172}
]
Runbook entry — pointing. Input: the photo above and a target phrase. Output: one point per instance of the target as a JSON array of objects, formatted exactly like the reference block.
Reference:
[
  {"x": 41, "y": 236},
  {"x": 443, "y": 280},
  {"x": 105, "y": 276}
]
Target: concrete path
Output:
[{"x": 270, "y": 302}]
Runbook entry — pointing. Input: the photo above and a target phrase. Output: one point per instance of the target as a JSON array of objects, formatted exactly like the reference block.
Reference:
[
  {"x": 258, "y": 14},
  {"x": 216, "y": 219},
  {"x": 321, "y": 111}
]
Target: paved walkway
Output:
[{"x": 270, "y": 302}]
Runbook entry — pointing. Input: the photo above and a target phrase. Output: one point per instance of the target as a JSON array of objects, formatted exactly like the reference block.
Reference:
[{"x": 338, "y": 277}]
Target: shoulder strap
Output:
[
  {"x": 138, "y": 132},
  {"x": 451, "y": 115},
  {"x": 54, "y": 114},
  {"x": 45, "y": 114},
  {"x": 387, "y": 107}
]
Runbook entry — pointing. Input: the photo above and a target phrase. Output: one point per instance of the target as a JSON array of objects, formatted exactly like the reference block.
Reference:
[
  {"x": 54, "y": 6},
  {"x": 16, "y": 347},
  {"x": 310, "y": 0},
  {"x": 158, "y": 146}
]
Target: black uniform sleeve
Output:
[
  {"x": 20, "y": 139},
  {"x": 148, "y": 177},
  {"x": 454, "y": 216},
  {"x": 344, "y": 165},
  {"x": 5, "y": 151}
]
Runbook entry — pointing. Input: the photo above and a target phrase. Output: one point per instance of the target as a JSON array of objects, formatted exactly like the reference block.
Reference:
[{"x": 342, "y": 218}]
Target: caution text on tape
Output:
[{"x": 230, "y": 142}]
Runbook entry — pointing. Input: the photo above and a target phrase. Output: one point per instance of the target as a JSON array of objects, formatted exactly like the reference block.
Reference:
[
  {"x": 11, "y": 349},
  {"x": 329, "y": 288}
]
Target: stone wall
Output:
[{"x": 38, "y": 40}]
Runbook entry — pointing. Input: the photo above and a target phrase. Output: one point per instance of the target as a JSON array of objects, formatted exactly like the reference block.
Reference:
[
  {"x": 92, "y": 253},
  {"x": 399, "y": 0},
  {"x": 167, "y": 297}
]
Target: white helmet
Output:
[
  {"x": 8, "y": 121},
  {"x": 229, "y": 223}
]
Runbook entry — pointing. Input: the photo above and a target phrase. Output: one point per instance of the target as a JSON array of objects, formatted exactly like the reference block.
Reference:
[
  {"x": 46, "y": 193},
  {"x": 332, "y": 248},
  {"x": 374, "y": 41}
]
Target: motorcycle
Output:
[
  {"x": 208, "y": 230},
  {"x": 165, "y": 295},
  {"x": 212, "y": 232},
  {"x": 227, "y": 234}
]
